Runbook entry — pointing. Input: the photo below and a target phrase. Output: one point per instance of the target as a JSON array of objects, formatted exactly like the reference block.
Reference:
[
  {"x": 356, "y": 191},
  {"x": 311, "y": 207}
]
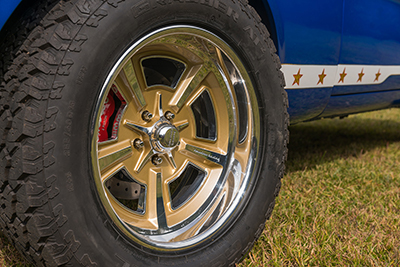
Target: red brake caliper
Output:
[{"x": 109, "y": 109}]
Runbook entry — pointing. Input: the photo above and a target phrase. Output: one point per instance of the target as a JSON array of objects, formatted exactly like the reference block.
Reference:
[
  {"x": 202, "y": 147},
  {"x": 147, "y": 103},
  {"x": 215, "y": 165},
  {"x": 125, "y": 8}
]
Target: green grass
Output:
[
  {"x": 340, "y": 200},
  {"x": 9, "y": 256}
]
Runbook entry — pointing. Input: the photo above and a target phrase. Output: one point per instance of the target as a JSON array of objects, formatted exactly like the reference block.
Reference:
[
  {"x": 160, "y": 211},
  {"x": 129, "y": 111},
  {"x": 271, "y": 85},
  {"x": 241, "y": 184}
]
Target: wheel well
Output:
[
  {"x": 22, "y": 21},
  {"x": 263, "y": 9},
  {"x": 27, "y": 12}
]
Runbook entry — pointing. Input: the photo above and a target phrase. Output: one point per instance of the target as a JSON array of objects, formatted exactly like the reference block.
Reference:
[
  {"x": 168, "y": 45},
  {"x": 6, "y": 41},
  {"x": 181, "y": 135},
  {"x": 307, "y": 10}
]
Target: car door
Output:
[
  {"x": 308, "y": 39},
  {"x": 368, "y": 74},
  {"x": 370, "y": 41}
]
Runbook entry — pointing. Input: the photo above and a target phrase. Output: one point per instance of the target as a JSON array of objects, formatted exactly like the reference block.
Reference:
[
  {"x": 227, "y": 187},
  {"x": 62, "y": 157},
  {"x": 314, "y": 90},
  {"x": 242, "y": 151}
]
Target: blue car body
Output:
[
  {"x": 7, "y": 8},
  {"x": 338, "y": 57}
]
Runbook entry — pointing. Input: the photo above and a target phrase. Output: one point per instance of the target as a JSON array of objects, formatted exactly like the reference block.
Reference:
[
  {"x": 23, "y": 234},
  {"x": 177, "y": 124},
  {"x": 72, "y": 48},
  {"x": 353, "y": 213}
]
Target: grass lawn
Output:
[{"x": 340, "y": 200}]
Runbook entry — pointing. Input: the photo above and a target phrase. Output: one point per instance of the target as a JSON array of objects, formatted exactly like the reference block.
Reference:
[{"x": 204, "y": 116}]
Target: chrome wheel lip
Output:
[{"x": 156, "y": 241}]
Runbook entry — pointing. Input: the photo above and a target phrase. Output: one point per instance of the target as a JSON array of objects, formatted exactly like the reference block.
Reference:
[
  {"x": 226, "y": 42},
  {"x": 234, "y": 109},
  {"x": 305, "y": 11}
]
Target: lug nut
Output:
[
  {"x": 169, "y": 115},
  {"x": 156, "y": 160},
  {"x": 138, "y": 143},
  {"x": 147, "y": 116}
]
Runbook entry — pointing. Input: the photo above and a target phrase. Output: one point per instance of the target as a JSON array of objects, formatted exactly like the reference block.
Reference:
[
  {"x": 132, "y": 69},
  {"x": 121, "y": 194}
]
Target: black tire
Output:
[{"x": 54, "y": 205}]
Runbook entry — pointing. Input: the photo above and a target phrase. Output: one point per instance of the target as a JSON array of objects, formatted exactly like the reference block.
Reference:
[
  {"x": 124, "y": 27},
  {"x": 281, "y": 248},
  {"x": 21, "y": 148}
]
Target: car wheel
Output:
[{"x": 142, "y": 133}]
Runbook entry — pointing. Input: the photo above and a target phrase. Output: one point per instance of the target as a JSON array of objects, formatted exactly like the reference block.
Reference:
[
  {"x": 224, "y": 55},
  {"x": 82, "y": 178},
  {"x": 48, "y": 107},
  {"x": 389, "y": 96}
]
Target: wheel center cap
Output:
[{"x": 168, "y": 136}]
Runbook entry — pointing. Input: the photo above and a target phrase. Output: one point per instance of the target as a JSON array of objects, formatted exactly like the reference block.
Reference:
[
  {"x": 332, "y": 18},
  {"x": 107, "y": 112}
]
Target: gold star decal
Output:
[
  {"x": 377, "y": 75},
  {"x": 360, "y": 75},
  {"x": 297, "y": 78},
  {"x": 342, "y": 75},
  {"x": 321, "y": 77}
]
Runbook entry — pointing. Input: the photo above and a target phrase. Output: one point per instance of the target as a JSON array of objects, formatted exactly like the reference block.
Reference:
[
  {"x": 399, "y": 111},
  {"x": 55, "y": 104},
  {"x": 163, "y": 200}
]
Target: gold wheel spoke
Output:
[
  {"x": 214, "y": 157},
  {"x": 124, "y": 89},
  {"x": 194, "y": 79},
  {"x": 138, "y": 128},
  {"x": 194, "y": 205},
  {"x": 171, "y": 160},
  {"x": 212, "y": 214},
  {"x": 237, "y": 173},
  {"x": 142, "y": 161},
  {"x": 130, "y": 79},
  {"x": 224, "y": 68},
  {"x": 181, "y": 125},
  {"x": 114, "y": 154},
  {"x": 159, "y": 105},
  {"x": 151, "y": 198},
  {"x": 161, "y": 217},
  {"x": 234, "y": 180}
]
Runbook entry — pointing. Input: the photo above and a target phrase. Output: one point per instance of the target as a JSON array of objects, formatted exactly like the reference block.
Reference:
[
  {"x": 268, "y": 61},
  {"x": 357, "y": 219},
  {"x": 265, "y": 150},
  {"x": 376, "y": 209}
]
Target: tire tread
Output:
[
  {"x": 263, "y": 32},
  {"x": 33, "y": 54}
]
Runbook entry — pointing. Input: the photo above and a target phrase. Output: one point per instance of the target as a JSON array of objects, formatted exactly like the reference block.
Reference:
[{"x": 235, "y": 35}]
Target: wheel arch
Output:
[
  {"x": 6, "y": 10},
  {"x": 270, "y": 15}
]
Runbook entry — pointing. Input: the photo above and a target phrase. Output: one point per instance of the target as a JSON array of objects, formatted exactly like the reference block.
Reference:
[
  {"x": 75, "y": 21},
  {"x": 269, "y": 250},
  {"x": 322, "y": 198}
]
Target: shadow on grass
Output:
[{"x": 318, "y": 142}]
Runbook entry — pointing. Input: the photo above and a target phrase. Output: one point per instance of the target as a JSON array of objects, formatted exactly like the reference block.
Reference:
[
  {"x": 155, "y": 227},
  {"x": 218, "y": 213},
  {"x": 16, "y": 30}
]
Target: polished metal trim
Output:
[
  {"x": 120, "y": 155},
  {"x": 205, "y": 89},
  {"x": 179, "y": 174},
  {"x": 161, "y": 218},
  {"x": 133, "y": 82},
  {"x": 207, "y": 155},
  {"x": 167, "y": 57}
]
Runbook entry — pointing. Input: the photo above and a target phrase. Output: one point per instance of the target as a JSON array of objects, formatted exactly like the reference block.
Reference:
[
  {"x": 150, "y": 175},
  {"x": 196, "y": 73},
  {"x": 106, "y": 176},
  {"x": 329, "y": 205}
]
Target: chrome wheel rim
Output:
[{"x": 174, "y": 138}]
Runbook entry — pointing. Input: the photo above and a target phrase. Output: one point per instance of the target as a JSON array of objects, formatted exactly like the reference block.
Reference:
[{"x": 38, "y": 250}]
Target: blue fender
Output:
[{"x": 6, "y": 9}]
